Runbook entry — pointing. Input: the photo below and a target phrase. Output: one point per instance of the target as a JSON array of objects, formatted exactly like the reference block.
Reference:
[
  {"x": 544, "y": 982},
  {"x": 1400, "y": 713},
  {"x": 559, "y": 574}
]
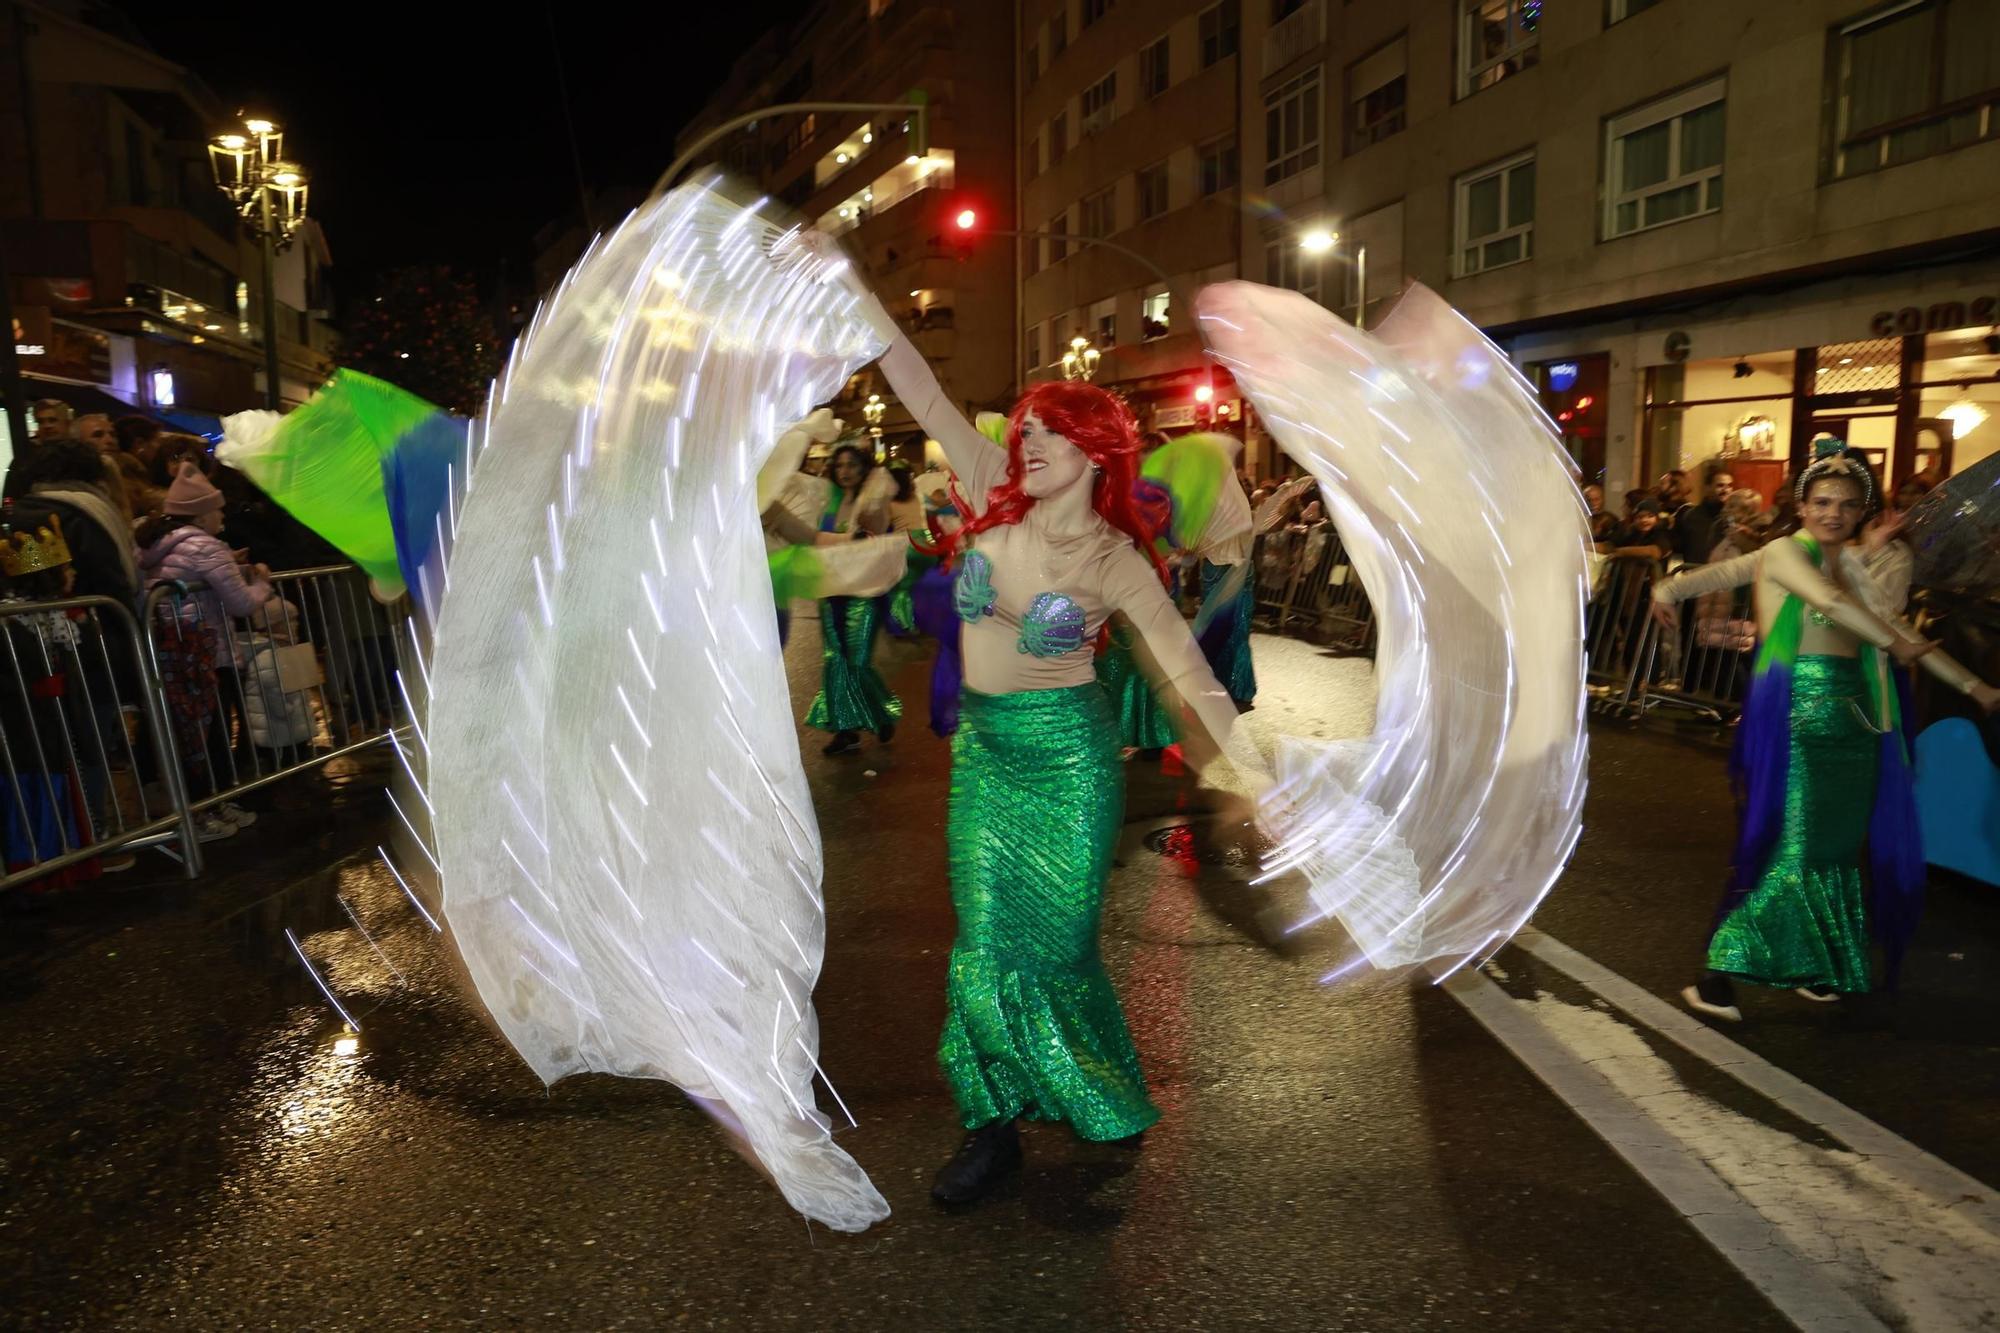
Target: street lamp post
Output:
[
  {"x": 1080, "y": 361},
  {"x": 1319, "y": 242},
  {"x": 269, "y": 193}
]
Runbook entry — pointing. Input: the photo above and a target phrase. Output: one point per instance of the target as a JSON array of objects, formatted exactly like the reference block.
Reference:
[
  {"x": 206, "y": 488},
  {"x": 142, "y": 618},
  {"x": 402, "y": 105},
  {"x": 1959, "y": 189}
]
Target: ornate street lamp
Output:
[
  {"x": 269, "y": 193},
  {"x": 1080, "y": 361},
  {"x": 871, "y": 412}
]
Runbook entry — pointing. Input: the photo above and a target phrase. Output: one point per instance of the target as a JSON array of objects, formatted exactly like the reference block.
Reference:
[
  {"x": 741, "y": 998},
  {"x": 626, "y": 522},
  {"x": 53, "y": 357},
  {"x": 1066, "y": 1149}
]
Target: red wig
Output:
[{"x": 1095, "y": 421}]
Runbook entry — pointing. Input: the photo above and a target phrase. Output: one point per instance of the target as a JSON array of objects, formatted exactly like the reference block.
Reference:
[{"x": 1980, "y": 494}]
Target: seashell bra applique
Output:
[{"x": 1051, "y": 626}]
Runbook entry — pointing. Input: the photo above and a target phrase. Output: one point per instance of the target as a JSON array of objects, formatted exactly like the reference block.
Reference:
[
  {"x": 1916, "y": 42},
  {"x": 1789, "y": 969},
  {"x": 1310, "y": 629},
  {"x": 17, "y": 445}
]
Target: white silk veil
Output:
[
  {"x": 629, "y": 863},
  {"x": 1437, "y": 836}
]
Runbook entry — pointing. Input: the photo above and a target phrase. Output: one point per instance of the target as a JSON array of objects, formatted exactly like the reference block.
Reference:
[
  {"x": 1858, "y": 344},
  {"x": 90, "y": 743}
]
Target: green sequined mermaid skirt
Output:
[
  {"x": 1142, "y": 723},
  {"x": 1032, "y": 1024},
  {"x": 1805, "y": 923},
  {"x": 851, "y": 695}
]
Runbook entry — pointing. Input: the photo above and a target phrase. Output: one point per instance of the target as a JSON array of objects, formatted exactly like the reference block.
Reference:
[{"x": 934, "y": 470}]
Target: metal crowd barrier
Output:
[
  {"x": 81, "y": 730},
  {"x": 1633, "y": 667},
  {"x": 1306, "y": 585},
  {"x": 124, "y": 733}
]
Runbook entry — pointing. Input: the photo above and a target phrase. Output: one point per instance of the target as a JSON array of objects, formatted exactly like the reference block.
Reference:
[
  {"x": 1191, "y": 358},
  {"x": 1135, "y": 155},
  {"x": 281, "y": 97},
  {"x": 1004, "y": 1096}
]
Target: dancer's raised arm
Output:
[{"x": 979, "y": 463}]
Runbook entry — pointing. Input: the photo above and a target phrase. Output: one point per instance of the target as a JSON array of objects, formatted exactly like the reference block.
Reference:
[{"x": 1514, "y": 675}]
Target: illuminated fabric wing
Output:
[
  {"x": 1437, "y": 835},
  {"x": 629, "y": 862}
]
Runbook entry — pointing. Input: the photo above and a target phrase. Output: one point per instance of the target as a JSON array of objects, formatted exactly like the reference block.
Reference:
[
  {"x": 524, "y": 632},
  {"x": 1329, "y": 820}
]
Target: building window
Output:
[
  {"x": 1097, "y": 214},
  {"x": 136, "y": 192},
  {"x": 1496, "y": 216},
  {"x": 1100, "y": 104},
  {"x": 1291, "y": 128},
  {"x": 1094, "y": 10},
  {"x": 1058, "y": 233},
  {"x": 1496, "y": 38},
  {"x": 1625, "y": 9},
  {"x": 1154, "y": 320},
  {"x": 1376, "y": 95},
  {"x": 1152, "y": 191},
  {"x": 1218, "y": 165},
  {"x": 1287, "y": 265},
  {"x": 1153, "y": 69},
  {"x": 1663, "y": 162},
  {"x": 1919, "y": 79},
  {"x": 1033, "y": 61},
  {"x": 1059, "y": 31},
  {"x": 1218, "y": 30},
  {"x": 1033, "y": 350},
  {"x": 1058, "y": 136},
  {"x": 1104, "y": 322}
]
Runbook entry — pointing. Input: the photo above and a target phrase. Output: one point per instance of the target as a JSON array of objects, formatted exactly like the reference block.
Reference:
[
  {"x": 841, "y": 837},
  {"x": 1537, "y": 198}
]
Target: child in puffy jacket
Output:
[{"x": 181, "y": 545}]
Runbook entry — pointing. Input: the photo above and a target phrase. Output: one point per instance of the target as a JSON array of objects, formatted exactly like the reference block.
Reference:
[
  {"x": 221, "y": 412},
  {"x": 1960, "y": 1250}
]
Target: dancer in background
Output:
[
  {"x": 852, "y": 697},
  {"x": 1821, "y": 764},
  {"x": 1053, "y": 543}
]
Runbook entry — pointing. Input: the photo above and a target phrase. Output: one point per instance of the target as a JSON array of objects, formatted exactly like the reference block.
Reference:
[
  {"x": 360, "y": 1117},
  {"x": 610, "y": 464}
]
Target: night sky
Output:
[{"x": 435, "y": 132}]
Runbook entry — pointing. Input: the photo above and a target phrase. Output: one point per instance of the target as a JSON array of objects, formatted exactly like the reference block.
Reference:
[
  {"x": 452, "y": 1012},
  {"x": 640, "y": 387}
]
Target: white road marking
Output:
[
  {"x": 1945, "y": 1184},
  {"x": 1865, "y": 1236}
]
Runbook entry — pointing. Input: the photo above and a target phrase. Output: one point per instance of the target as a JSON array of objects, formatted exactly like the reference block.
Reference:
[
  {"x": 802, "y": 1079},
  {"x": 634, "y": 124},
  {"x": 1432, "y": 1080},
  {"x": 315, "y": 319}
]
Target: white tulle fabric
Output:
[
  {"x": 629, "y": 861},
  {"x": 1436, "y": 837}
]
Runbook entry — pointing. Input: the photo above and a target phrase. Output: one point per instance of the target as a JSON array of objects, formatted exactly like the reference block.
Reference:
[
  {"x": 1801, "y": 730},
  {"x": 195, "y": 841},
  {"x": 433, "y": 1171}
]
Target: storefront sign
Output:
[
  {"x": 31, "y": 331},
  {"x": 1935, "y": 318},
  {"x": 72, "y": 352},
  {"x": 1561, "y": 375}
]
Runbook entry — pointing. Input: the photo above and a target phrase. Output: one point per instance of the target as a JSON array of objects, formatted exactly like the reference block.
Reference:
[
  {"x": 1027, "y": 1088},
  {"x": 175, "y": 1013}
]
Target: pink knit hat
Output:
[{"x": 191, "y": 495}]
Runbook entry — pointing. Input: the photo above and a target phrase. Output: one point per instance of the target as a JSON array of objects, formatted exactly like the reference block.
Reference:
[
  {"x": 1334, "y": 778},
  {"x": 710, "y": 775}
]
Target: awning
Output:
[
  {"x": 192, "y": 423},
  {"x": 84, "y": 398}
]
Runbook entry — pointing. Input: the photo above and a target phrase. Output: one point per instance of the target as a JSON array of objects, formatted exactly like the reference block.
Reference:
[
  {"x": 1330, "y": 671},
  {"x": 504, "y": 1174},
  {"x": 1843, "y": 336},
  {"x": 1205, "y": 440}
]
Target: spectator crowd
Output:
[{"x": 103, "y": 508}]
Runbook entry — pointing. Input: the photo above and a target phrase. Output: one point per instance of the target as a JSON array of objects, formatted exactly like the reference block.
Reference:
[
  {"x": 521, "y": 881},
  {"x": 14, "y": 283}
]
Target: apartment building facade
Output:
[
  {"x": 134, "y": 287},
  {"x": 857, "y": 175},
  {"x": 1707, "y": 230},
  {"x": 1131, "y": 125}
]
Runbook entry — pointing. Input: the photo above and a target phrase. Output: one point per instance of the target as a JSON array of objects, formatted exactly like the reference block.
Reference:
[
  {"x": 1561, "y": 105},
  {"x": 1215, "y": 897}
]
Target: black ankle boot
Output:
[
  {"x": 843, "y": 742},
  {"x": 989, "y": 1154}
]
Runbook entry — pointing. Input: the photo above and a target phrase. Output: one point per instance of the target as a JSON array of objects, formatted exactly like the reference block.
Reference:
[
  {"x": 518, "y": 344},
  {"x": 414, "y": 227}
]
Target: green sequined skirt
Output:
[
  {"x": 1032, "y": 1024},
  {"x": 1143, "y": 724},
  {"x": 851, "y": 695},
  {"x": 1805, "y": 923}
]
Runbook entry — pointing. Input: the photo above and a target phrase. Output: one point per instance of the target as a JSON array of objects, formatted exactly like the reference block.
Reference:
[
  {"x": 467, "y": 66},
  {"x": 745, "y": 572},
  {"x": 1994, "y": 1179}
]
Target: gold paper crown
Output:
[{"x": 25, "y": 550}]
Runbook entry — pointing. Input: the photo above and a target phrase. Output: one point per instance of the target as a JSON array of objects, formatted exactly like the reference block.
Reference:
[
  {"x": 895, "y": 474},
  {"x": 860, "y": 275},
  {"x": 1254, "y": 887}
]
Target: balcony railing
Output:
[{"x": 1294, "y": 35}]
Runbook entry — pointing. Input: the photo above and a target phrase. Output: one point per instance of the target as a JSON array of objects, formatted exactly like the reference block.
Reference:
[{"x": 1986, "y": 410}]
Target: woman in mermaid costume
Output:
[
  {"x": 852, "y": 697},
  {"x": 1053, "y": 543},
  {"x": 1822, "y": 765}
]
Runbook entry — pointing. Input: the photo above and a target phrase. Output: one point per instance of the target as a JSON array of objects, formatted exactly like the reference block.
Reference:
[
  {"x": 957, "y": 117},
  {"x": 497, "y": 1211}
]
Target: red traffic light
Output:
[{"x": 967, "y": 219}]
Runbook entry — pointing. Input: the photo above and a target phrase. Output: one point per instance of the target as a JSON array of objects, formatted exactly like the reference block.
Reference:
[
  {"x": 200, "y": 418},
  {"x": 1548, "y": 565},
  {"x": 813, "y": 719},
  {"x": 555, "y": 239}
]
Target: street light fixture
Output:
[
  {"x": 269, "y": 193},
  {"x": 1320, "y": 241},
  {"x": 871, "y": 412},
  {"x": 1080, "y": 361}
]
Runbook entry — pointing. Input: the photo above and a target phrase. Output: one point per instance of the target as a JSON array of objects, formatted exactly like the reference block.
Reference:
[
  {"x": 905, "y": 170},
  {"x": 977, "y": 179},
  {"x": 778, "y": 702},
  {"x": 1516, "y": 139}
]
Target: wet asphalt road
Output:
[{"x": 186, "y": 1146}]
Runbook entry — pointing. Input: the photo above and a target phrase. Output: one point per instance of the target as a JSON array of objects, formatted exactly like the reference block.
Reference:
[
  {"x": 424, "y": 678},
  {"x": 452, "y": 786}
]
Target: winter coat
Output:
[
  {"x": 275, "y": 719},
  {"x": 189, "y": 555}
]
